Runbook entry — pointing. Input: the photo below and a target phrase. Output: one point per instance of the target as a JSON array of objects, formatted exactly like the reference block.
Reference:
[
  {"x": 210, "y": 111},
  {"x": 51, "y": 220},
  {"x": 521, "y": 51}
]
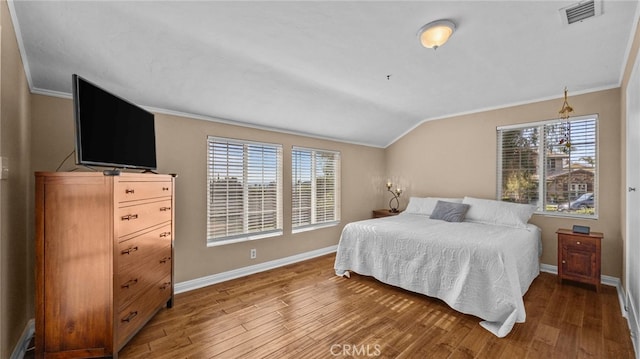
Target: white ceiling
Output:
[{"x": 351, "y": 71}]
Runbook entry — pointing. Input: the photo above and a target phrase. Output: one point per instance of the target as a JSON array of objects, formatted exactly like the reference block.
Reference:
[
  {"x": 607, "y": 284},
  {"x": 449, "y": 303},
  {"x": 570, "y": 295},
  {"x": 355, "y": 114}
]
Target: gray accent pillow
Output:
[{"x": 450, "y": 212}]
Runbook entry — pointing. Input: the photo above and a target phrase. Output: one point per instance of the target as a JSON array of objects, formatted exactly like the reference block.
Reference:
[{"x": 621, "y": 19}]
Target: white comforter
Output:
[{"x": 478, "y": 269}]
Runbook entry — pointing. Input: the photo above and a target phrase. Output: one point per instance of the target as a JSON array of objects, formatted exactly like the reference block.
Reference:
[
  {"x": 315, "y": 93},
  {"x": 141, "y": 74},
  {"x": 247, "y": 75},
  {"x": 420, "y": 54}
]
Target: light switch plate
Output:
[{"x": 4, "y": 168}]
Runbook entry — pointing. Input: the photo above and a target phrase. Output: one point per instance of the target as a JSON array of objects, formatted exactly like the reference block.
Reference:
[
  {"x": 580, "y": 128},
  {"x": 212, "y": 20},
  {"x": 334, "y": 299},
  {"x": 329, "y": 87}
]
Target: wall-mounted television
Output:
[{"x": 111, "y": 131}]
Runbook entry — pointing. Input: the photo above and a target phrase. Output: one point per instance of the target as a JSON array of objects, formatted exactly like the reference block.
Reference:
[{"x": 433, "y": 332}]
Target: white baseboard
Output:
[
  {"x": 634, "y": 326},
  {"x": 245, "y": 271},
  {"x": 23, "y": 344}
]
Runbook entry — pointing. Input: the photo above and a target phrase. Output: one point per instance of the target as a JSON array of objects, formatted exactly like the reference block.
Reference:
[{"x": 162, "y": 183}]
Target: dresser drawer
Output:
[
  {"x": 133, "y": 191},
  {"x": 135, "y": 280},
  {"x": 135, "y": 218},
  {"x": 133, "y": 316},
  {"x": 133, "y": 252}
]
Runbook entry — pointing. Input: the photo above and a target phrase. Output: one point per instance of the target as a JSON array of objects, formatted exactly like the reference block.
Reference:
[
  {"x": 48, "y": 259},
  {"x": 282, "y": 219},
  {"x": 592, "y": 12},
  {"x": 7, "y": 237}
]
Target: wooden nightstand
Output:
[
  {"x": 579, "y": 256},
  {"x": 379, "y": 213}
]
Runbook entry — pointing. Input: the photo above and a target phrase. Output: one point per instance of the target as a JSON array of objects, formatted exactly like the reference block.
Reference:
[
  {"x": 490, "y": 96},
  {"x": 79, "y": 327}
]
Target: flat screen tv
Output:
[{"x": 111, "y": 131}]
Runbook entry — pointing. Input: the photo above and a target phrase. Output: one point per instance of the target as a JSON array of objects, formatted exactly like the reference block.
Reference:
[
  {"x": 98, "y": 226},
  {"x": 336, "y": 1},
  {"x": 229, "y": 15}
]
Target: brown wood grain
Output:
[
  {"x": 579, "y": 257},
  {"x": 90, "y": 297},
  {"x": 305, "y": 311}
]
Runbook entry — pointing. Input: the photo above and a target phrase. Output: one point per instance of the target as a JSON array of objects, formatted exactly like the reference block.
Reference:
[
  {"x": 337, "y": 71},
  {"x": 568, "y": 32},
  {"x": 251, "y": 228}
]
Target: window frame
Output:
[
  {"x": 541, "y": 168},
  {"x": 246, "y": 234},
  {"x": 314, "y": 223}
]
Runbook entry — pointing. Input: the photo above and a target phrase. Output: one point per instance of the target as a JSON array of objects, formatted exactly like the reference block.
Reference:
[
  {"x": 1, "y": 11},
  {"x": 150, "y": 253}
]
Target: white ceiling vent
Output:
[{"x": 581, "y": 11}]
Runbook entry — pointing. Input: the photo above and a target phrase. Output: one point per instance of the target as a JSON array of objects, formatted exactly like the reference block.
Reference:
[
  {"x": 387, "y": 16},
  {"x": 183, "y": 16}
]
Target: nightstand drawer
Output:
[{"x": 578, "y": 243}]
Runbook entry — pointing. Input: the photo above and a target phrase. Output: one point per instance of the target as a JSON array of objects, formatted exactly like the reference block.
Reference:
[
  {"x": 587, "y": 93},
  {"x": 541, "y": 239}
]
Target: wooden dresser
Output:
[{"x": 104, "y": 259}]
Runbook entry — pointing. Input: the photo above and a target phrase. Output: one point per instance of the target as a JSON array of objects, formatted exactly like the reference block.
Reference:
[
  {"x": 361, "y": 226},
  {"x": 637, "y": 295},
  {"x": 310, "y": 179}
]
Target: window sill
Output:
[
  {"x": 313, "y": 227},
  {"x": 567, "y": 215},
  {"x": 243, "y": 238}
]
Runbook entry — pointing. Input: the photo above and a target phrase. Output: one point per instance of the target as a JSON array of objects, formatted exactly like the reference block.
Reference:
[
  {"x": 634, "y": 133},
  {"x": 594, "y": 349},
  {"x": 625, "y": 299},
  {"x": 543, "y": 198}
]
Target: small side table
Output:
[
  {"x": 579, "y": 256},
  {"x": 379, "y": 213}
]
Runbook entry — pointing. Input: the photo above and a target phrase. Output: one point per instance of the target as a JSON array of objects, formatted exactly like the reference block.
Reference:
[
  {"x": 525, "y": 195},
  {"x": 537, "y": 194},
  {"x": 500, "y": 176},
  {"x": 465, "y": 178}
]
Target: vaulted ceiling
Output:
[{"x": 351, "y": 71}]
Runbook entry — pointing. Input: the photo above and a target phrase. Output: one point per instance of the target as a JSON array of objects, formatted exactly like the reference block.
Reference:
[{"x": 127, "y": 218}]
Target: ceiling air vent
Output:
[{"x": 581, "y": 11}]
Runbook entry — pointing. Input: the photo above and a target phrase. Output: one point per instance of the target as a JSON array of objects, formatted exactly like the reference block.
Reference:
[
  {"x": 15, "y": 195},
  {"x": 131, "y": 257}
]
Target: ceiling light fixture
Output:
[{"x": 436, "y": 33}]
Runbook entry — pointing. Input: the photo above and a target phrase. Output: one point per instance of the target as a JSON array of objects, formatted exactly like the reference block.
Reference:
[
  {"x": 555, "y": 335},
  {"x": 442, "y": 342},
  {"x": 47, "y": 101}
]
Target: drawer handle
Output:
[
  {"x": 129, "y": 250},
  {"x": 129, "y": 283},
  {"x": 578, "y": 242},
  {"x": 165, "y": 234},
  {"x": 163, "y": 209},
  {"x": 127, "y": 191},
  {"x": 129, "y": 217},
  {"x": 165, "y": 285},
  {"x": 130, "y": 317},
  {"x": 165, "y": 188},
  {"x": 563, "y": 262},
  {"x": 165, "y": 259}
]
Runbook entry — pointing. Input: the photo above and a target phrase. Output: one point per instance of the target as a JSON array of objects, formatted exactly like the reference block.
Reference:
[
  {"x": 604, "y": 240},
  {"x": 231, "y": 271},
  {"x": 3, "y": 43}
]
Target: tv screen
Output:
[{"x": 111, "y": 131}]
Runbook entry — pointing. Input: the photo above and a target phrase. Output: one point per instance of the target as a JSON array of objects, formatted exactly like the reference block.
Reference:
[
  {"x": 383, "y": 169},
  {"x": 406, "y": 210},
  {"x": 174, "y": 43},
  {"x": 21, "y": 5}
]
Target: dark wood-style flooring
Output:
[{"x": 304, "y": 311}]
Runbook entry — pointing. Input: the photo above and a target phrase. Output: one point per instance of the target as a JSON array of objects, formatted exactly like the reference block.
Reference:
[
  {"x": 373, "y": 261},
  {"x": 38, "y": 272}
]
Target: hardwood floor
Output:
[{"x": 305, "y": 311}]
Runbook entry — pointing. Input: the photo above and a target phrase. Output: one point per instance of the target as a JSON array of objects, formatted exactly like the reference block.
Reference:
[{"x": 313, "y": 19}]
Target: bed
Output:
[{"x": 482, "y": 265}]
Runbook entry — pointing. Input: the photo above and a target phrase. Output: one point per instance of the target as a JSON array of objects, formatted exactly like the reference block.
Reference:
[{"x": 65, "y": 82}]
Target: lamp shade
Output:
[{"x": 436, "y": 33}]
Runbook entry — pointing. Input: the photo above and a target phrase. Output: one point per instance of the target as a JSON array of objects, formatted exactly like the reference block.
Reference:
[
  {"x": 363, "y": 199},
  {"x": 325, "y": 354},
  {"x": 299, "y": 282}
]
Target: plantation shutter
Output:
[
  {"x": 302, "y": 187},
  {"x": 551, "y": 164},
  {"x": 518, "y": 175},
  {"x": 315, "y": 187},
  {"x": 244, "y": 189},
  {"x": 572, "y": 146}
]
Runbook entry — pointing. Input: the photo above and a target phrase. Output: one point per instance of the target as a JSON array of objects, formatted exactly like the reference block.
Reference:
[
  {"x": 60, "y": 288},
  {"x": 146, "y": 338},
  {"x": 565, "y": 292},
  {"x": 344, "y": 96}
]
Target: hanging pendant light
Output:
[{"x": 566, "y": 108}]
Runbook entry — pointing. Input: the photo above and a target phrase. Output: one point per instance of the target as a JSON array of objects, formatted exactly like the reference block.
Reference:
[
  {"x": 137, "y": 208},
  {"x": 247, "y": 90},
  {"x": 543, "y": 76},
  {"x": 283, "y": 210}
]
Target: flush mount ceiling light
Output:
[{"x": 436, "y": 33}]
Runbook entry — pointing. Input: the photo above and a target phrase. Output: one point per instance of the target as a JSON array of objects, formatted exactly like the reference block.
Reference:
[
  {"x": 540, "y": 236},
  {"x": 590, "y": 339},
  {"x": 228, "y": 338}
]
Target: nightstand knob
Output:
[
  {"x": 578, "y": 242},
  {"x": 563, "y": 262}
]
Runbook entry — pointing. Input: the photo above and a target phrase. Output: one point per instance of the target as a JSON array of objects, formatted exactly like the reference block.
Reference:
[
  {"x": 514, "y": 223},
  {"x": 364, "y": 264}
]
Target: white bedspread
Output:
[{"x": 478, "y": 269}]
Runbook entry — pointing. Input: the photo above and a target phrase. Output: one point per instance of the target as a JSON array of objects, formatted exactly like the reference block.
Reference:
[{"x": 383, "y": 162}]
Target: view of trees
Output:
[{"x": 562, "y": 177}]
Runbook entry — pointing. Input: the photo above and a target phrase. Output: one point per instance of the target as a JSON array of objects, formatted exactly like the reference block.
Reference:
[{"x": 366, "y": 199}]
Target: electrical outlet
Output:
[{"x": 253, "y": 253}]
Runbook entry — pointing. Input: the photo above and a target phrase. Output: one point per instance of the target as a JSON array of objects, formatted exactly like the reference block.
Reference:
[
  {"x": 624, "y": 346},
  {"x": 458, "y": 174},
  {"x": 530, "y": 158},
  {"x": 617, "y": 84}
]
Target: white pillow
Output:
[
  {"x": 497, "y": 212},
  {"x": 425, "y": 205}
]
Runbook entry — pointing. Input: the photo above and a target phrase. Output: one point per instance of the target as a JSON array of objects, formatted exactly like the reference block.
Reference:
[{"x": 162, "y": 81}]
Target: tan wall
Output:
[
  {"x": 16, "y": 246},
  {"x": 456, "y": 156},
  {"x": 181, "y": 149}
]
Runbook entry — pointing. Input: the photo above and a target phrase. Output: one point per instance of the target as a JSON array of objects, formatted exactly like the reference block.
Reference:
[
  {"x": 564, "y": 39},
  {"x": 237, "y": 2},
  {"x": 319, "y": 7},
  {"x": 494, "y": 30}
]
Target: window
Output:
[
  {"x": 244, "y": 190},
  {"x": 315, "y": 188},
  {"x": 567, "y": 184}
]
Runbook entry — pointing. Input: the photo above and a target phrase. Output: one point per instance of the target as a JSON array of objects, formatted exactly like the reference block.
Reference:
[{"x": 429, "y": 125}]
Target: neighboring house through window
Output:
[
  {"x": 244, "y": 190},
  {"x": 551, "y": 164},
  {"x": 315, "y": 188}
]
